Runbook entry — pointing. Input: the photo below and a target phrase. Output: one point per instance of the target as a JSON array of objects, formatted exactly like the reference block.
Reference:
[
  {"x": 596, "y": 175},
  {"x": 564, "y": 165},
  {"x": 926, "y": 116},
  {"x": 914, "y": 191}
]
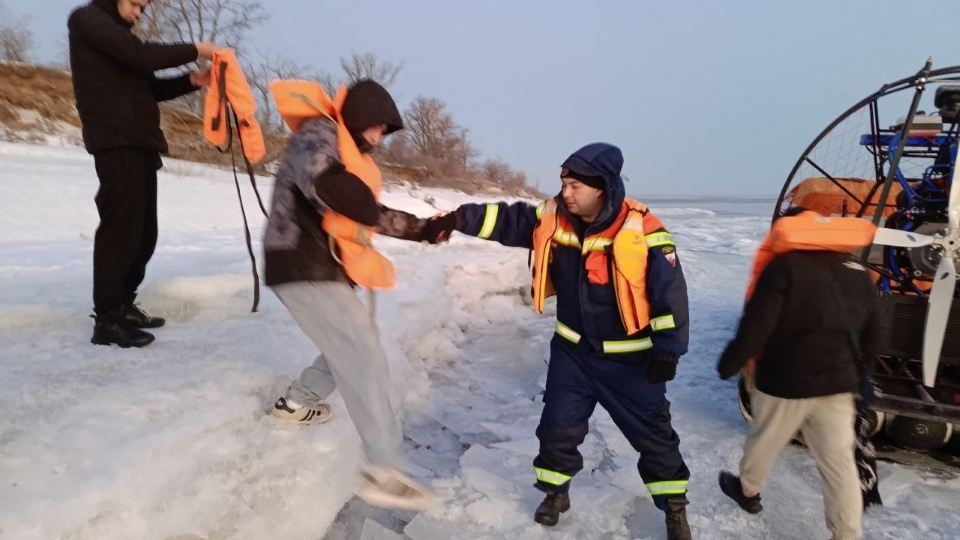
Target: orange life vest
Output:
[
  {"x": 628, "y": 239},
  {"x": 229, "y": 85},
  {"x": 298, "y": 101},
  {"x": 810, "y": 231}
]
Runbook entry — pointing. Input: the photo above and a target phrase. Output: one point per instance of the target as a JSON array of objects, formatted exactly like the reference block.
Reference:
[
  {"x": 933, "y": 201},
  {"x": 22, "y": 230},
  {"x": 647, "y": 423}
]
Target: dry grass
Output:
[{"x": 46, "y": 91}]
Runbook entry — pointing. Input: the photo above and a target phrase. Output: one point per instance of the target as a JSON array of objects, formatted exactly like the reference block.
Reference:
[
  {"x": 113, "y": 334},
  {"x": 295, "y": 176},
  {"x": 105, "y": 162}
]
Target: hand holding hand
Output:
[
  {"x": 201, "y": 78},
  {"x": 205, "y": 49},
  {"x": 439, "y": 228}
]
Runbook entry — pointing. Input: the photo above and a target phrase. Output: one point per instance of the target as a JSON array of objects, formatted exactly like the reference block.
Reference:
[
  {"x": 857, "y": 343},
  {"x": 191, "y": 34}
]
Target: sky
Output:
[{"x": 704, "y": 98}]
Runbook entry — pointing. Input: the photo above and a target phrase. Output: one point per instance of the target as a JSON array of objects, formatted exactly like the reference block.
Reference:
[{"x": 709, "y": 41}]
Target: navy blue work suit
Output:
[{"x": 580, "y": 373}]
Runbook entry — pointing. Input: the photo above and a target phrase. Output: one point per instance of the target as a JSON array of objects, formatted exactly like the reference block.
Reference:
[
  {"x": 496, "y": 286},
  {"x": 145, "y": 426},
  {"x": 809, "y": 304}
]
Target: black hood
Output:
[
  {"x": 368, "y": 104},
  {"x": 603, "y": 161},
  {"x": 110, "y": 6}
]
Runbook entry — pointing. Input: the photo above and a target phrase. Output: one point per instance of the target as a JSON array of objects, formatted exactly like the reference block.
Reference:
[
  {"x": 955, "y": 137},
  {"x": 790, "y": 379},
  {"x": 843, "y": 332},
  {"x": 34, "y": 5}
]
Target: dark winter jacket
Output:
[
  {"x": 590, "y": 309},
  {"x": 813, "y": 323},
  {"x": 114, "y": 82},
  {"x": 310, "y": 180}
]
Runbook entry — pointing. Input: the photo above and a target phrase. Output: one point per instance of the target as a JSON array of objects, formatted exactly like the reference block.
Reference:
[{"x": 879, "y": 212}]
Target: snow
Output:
[{"x": 174, "y": 441}]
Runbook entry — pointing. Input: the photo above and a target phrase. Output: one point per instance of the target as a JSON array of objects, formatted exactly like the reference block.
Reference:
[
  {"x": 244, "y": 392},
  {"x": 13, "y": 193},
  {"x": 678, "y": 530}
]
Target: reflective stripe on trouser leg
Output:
[
  {"x": 642, "y": 412},
  {"x": 568, "y": 405},
  {"x": 551, "y": 477},
  {"x": 669, "y": 487}
]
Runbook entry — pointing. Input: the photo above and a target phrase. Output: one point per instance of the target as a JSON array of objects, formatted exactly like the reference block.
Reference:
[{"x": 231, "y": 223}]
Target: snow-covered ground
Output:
[{"x": 174, "y": 441}]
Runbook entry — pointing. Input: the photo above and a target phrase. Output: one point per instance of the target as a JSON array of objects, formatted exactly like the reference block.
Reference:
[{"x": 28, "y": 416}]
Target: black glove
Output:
[
  {"x": 438, "y": 229},
  {"x": 661, "y": 367}
]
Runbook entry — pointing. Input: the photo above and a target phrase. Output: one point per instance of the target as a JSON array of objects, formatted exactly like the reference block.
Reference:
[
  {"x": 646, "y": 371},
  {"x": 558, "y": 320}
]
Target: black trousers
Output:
[
  {"x": 865, "y": 456},
  {"x": 127, "y": 235}
]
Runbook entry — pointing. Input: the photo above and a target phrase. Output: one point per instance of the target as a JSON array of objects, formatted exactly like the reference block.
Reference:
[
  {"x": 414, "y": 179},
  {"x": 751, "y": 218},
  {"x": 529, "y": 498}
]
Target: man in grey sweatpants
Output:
[
  {"x": 303, "y": 267},
  {"x": 812, "y": 323},
  {"x": 334, "y": 318}
]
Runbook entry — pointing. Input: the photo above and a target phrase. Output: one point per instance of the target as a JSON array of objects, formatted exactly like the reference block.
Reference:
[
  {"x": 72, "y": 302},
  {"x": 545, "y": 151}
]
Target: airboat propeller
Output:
[{"x": 947, "y": 246}]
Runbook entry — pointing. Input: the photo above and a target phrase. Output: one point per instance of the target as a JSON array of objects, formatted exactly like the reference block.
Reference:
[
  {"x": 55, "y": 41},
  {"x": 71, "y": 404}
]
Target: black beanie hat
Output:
[
  {"x": 596, "y": 182},
  {"x": 368, "y": 104}
]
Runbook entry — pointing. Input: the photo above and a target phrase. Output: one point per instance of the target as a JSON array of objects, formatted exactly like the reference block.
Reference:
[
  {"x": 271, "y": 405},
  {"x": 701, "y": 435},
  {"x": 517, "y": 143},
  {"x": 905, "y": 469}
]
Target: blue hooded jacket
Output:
[{"x": 589, "y": 309}]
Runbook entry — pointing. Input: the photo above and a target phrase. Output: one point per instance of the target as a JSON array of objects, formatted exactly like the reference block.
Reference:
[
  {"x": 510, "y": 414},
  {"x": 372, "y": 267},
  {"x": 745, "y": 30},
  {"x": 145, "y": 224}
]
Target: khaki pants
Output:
[{"x": 827, "y": 427}]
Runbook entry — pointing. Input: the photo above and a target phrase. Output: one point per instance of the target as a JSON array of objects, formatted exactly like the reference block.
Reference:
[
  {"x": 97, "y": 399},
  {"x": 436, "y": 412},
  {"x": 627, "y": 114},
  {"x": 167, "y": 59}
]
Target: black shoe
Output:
[
  {"x": 554, "y": 504},
  {"x": 111, "y": 329},
  {"x": 731, "y": 487},
  {"x": 676, "y": 518},
  {"x": 138, "y": 318}
]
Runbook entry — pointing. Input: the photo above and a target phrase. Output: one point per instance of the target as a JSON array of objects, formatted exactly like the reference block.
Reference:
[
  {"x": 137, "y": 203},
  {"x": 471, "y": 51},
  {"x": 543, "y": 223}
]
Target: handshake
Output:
[{"x": 438, "y": 228}]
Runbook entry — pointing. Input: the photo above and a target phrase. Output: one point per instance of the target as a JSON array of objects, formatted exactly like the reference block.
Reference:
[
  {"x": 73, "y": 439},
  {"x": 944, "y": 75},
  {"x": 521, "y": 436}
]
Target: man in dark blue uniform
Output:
[{"x": 622, "y": 322}]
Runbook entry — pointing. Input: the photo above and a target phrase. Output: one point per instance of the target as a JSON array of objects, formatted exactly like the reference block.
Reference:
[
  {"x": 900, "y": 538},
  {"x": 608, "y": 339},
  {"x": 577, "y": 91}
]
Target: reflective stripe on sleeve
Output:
[
  {"x": 664, "y": 322},
  {"x": 659, "y": 239},
  {"x": 489, "y": 221}
]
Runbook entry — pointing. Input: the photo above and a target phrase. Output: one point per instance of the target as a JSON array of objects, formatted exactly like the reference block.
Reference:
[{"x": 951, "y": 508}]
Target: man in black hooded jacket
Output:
[
  {"x": 813, "y": 323},
  {"x": 117, "y": 94}
]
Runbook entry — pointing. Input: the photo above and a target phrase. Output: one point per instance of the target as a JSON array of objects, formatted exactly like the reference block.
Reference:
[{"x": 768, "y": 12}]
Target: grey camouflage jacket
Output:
[{"x": 295, "y": 247}]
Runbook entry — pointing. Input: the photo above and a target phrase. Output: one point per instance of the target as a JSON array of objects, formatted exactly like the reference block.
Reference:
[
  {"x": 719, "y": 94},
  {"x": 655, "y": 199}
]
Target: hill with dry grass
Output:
[{"x": 37, "y": 106}]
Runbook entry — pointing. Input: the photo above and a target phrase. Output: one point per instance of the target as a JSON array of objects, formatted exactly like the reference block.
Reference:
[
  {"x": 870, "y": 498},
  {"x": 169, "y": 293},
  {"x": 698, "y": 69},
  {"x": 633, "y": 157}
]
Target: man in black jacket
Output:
[
  {"x": 117, "y": 94},
  {"x": 812, "y": 322}
]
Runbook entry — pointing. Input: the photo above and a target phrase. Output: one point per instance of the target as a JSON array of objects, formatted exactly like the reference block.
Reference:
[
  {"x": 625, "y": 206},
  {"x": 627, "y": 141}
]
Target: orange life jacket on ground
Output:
[
  {"x": 298, "y": 101},
  {"x": 628, "y": 239},
  {"x": 229, "y": 85}
]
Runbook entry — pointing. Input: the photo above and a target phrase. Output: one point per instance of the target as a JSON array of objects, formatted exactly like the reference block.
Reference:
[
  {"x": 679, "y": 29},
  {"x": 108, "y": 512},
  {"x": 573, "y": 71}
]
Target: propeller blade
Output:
[
  {"x": 898, "y": 238},
  {"x": 953, "y": 208},
  {"x": 941, "y": 298}
]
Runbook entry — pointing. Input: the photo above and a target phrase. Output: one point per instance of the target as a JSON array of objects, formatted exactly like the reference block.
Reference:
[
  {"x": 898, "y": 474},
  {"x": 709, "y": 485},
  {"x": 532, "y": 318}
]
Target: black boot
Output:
[
  {"x": 554, "y": 504},
  {"x": 731, "y": 487},
  {"x": 138, "y": 318},
  {"x": 112, "y": 328},
  {"x": 676, "y": 518},
  {"x": 871, "y": 497}
]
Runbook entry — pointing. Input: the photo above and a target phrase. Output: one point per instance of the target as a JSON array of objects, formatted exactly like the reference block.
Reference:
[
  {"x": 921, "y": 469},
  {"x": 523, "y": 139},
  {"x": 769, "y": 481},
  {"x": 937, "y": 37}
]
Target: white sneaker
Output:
[
  {"x": 386, "y": 487},
  {"x": 306, "y": 416}
]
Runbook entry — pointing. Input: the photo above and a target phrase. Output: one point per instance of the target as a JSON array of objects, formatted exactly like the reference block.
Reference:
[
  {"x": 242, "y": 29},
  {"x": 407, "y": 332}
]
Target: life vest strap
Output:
[
  {"x": 243, "y": 212},
  {"x": 221, "y": 97},
  {"x": 228, "y": 108}
]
